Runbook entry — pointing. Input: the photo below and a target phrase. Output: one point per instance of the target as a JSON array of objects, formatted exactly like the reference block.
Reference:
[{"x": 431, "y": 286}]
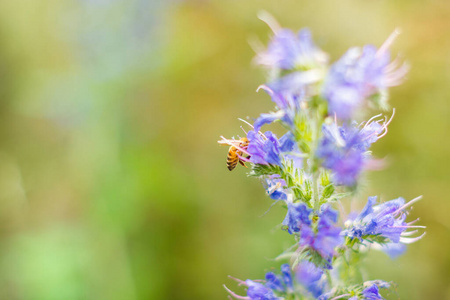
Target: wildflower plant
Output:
[{"x": 319, "y": 162}]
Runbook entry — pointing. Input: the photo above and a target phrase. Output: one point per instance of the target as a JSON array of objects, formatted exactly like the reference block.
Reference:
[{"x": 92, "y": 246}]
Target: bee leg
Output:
[{"x": 242, "y": 163}]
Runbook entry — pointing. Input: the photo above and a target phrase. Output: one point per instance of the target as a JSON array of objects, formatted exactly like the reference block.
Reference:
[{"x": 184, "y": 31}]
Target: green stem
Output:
[
  {"x": 316, "y": 190},
  {"x": 316, "y": 120}
]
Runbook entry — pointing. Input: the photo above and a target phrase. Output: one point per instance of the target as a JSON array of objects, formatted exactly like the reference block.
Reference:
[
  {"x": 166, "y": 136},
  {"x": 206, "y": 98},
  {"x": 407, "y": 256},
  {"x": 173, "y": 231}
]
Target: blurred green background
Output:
[{"x": 112, "y": 185}]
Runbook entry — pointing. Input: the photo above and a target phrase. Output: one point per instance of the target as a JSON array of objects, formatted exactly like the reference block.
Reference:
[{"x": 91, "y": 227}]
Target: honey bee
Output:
[{"x": 233, "y": 156}]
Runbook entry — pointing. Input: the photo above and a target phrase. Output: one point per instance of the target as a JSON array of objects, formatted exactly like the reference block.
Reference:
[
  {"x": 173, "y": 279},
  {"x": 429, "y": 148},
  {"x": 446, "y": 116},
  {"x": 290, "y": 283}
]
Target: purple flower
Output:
[
  {"x": 328, "y": 236},
  {"x": 286, "y": 275},
  {"x": 372, "y": 293},
  {"x": 358, "y": 75},
  {"x": 297, "y": 215},
  {"x": 324, "y": 241},
  {"x": 298, "y": 85},
  {"x": 323, "y": 238},
  {"x": 310, "y": 277},
  {"x": 273, "y": 282},
  {"x": 281, "y": 283},
  {"x": 263, "y": 149},
  {"x": 267, "y": 149},
  {"x": 257, "y": 291},
  {"x": 275, "y": 187},
  {"x": 288, "y": 51},
  {"x": 288, "y": 107},
  {"x": 343, "y": 149},
  {"x": 298, "y": 54},
  {"x": 386, "y": 220}
]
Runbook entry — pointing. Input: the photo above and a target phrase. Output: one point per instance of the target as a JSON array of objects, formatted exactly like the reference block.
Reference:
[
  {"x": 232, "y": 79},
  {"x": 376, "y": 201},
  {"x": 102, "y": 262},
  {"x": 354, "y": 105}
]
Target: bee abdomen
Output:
[{"x": 232, "y": 159}]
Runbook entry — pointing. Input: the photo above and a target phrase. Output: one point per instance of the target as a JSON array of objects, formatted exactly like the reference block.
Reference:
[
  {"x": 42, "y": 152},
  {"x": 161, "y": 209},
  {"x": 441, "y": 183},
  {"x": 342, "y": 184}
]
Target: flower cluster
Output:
[
  {"x": 274, "y": 286},
  {"x": 344, "y": 149},
  {"x": 321, "y": 236},
  {"x": 319, "y": 161}
]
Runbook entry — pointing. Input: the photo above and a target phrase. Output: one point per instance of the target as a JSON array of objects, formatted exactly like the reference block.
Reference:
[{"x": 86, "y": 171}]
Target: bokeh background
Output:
[{"x": 112, "y": 185}]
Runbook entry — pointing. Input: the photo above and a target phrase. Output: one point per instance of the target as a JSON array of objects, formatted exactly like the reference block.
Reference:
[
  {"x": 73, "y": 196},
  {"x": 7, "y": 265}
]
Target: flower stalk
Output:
[{"x": 319, "y": 162}]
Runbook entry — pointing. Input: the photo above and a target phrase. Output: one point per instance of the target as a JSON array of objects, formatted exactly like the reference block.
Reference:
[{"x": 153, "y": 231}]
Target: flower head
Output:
[
  {"x": 281, "y": 283},
  {"x": 288, "y": 106},
  {"x": 286, "y": 275},
  {"x": 371, "y": 293},
  {"x": 275, "y": 187},
  {"x": 321, "y": 236},
  {"x": 385, "y": 221},
  {"x": 288, "y": 50},
  {"x": 298, "y": 214},
  {"x": 257, "y": 291},
  {"x": 343, "y": 149},
  {"x": 359, "y": 74},
  {"x": 263, "y": 148},
  {"x": 274, "y": 282}
]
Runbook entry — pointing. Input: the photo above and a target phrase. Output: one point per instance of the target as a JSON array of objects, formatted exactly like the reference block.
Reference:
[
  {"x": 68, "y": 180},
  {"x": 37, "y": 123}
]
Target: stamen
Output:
[
  {"x": 407, "y": 204},
  {"x": 407, "y": 226},
  {"x": 246, "y": 122},
  {"x": 240, "y": 282},
  {"x": 337, "y": 135},
  {"x": 251, "y": 127},
  {"x": 385, "y": 125},
  {"x": 266, "y": 88},
  {"x": 228, "y": 142},
  {"x": 396, "y": 77},
  {"x": 371, "y": 119},
  {"x": 235, "y": 295},
  {"x": 412, "y": 222},
  {"x": 389, "y": 41},
  {"x": 269, "y": 20},
  {"x": 409, "y": 233},
  {"x": 244, "y": 130},
  {"x": 340, "y": 296},
  {"x": 256, "y": 45},
  {"x": 393, "y": 65},
  {"x": 392, "y": 117},
  {"x": 411, "y": 240}
]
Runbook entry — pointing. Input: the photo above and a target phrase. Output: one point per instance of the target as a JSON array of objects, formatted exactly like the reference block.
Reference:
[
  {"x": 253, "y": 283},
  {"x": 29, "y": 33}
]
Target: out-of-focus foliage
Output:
[{"x": 112, "y": 185}]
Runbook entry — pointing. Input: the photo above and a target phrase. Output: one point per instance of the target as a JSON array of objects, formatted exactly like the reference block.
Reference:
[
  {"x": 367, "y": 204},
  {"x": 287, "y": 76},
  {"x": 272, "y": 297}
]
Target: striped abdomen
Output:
[
  {"x": 233, "y": 158},
  {"x": 234, "y": 154}
]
